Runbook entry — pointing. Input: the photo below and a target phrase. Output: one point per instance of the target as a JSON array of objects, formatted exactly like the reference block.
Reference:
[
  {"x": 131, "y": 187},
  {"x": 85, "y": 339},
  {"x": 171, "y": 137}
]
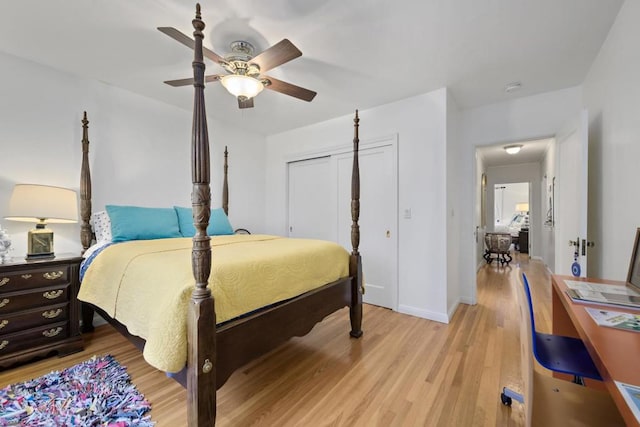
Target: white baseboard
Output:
[
  {"x": 467, "y": 300},
  {"x": 425, "y": 314},
  {"x": 452, "y": 310}
]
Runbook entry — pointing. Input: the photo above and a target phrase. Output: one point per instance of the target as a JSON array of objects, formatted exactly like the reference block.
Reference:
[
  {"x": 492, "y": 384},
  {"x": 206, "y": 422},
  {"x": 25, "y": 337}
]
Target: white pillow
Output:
[
  {"x": 94, "y": 248},
  {"x": 101, "y": 226}
]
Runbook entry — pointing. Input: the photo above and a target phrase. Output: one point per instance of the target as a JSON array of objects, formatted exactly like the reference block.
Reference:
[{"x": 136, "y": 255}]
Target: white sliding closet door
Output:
[
  {"x": 312, "y": 208},
  {"x": 320, "y": 208},
  {"x": 378, "y": 220}
]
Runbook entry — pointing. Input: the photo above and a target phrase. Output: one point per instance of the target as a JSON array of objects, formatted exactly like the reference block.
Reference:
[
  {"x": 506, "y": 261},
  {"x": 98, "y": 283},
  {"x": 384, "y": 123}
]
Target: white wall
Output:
[
  {"x": 520, "y": 119},
  {"x": 420, "y": 123},
  {"x": 453, "y": 206},
  {"x": 612, "y": 96},
  {"x": 139, "y": 151}
]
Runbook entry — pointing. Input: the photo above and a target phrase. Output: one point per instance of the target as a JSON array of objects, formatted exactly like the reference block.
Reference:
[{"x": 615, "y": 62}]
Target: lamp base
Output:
[
  {"x": 40, "y": 256},
  {"x": 40, "y": 243}
]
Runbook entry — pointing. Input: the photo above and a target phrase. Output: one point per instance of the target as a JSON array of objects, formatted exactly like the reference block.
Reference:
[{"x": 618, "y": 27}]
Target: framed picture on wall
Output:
[{"x": 551, "y": 188}]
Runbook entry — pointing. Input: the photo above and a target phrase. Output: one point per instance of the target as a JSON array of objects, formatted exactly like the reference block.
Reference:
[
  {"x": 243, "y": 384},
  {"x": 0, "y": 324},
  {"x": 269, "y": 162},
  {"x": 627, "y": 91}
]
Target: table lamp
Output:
[{"x": 42, "y": 204}]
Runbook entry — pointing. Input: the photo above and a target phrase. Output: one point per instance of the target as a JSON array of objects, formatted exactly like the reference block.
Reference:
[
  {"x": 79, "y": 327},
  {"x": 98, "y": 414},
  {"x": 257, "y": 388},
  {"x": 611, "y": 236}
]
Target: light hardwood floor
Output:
[{"x": 405, "y": 371}]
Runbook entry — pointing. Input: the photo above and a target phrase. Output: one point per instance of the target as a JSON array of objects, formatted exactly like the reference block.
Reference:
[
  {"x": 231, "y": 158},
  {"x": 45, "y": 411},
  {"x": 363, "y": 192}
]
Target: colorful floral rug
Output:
[{"x": 97, "y": 392}]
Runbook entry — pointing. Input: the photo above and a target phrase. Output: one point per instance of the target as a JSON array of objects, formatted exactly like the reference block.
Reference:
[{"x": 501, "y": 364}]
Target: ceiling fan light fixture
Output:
[
  {"x": 242, "y": 86},
  {"x": 513, "y": 149}
]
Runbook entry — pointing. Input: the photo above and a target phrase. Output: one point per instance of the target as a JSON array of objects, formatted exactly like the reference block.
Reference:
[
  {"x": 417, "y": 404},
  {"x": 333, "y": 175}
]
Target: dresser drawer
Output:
[
  {"x": 41, "y": 335},
  {"x": 11, "y": 302},
  {"x": 27, "y": 319},
  {"x": 33, "y": 277}
]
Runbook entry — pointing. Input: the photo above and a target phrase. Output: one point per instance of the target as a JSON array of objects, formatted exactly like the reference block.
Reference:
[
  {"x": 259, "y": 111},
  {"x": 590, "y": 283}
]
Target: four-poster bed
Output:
[{"x": 216, "y": 351}]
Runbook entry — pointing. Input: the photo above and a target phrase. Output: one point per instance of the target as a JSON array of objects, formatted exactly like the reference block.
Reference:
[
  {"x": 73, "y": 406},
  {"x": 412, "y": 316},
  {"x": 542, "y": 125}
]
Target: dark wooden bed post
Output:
[
  {"x": 201, "y": 319},
  {"x": 86, "y": 234},
  {"x": 225, "y": 184},
  {"x": 355, "y": 262}
]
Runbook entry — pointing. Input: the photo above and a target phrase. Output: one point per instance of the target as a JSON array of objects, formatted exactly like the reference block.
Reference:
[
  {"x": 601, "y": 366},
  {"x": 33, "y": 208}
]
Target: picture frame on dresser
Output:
[{"x": 39, "y": 310}]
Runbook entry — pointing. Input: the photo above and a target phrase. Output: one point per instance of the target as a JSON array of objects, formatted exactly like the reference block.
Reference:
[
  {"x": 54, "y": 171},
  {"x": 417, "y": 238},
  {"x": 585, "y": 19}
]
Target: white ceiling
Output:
[
  {"x": 356, "y": 54},
  {"x": 531, "y": 152}
]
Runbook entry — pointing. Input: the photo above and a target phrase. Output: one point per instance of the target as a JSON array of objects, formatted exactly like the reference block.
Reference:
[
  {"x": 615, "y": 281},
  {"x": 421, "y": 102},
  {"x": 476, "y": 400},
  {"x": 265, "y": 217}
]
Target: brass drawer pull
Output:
[
  {"x": 4, "y": 281},
  {"x": 4, "y": 302},
  {"x": 3, "y": 323},
  {"x": 49, "y": 333},
  {"x": 53, "y": 294},
  {"x": 52, "y": 314},
  {"x": 3, "y": 344},
  {"x": 26, "y": 276},
  {"x": 53, "y": 275}
]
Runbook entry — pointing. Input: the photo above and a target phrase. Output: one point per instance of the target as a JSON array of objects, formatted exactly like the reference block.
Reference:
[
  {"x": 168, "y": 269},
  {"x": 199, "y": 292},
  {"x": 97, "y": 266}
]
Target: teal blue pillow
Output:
[
  {"x": 219, "y": 224},
  {"x": 138, "y": 223}
]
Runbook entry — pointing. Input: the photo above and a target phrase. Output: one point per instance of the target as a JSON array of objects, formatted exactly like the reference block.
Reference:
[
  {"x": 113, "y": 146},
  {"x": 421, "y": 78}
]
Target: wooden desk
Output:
[{"x": 616, "y": 353}]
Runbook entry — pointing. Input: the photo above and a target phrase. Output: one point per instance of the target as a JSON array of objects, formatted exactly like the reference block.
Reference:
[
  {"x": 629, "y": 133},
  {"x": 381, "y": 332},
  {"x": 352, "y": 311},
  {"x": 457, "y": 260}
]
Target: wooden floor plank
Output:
[{"x": 405, "y": 371}]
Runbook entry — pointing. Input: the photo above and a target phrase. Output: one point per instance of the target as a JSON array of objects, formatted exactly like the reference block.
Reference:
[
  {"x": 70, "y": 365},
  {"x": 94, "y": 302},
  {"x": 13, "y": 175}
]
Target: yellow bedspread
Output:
[{"x": 147, "y": 284}]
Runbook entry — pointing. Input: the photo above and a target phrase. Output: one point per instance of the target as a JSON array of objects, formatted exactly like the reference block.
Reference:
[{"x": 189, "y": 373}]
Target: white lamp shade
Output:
[
  {"x": 239, "y": 85},
  {"x": 522, "y": 207},
  {"x": 32, "y": 203}
]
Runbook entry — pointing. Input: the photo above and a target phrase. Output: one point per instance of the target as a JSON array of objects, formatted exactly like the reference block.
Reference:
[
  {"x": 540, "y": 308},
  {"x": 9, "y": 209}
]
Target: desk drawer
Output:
[
  {"x": 15, "y": 301},
  {"x": 33, "y": 337},
  {"x": 34, "y": 277},
  {"x": 27, "y": 319}
]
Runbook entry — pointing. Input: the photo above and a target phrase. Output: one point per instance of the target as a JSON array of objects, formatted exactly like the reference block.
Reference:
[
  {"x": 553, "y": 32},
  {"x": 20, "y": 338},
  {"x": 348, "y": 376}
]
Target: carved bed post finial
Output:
[
  {"x": 225, "y": 183},
  {"x": 355, "y": 261},
  {"x": 86, "y": 235},
  {"x": 201, "y": 358}
]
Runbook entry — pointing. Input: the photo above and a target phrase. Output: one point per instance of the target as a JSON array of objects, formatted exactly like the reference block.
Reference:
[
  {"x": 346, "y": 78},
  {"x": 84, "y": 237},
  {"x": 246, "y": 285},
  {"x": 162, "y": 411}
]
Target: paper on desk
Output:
[
  {"x": 600, "y": 287},
  {"x": 631, "y": 394},
  {"x": 615, "y": 319}
]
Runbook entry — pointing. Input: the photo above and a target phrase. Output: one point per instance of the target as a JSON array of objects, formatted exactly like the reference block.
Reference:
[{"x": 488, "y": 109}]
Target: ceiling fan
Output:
[{"x": 245, "y": 79}]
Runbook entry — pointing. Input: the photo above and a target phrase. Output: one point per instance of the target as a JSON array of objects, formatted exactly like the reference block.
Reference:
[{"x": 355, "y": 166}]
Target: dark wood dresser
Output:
[{"x": 39, "y": 312}]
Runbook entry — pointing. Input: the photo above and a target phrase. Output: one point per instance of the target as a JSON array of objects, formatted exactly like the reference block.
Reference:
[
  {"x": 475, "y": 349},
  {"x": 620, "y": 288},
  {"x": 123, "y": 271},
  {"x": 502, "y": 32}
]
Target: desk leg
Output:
[{"x": 561, "y": 322}]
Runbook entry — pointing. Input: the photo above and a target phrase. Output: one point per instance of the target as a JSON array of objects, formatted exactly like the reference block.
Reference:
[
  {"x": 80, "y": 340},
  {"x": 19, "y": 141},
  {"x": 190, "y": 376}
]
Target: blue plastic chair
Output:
[{"x": 557, "y": 353}]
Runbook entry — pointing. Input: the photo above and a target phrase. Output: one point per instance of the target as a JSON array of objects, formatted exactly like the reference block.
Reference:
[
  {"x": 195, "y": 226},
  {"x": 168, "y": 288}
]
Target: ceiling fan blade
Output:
[
  {"x": 290, "y": 89},
  {"x": 189, "y": 81},
  {"x": 248, "y": 103},
  {"x": 278, "y": 54},
  {"x": 188, "y": 41}
]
